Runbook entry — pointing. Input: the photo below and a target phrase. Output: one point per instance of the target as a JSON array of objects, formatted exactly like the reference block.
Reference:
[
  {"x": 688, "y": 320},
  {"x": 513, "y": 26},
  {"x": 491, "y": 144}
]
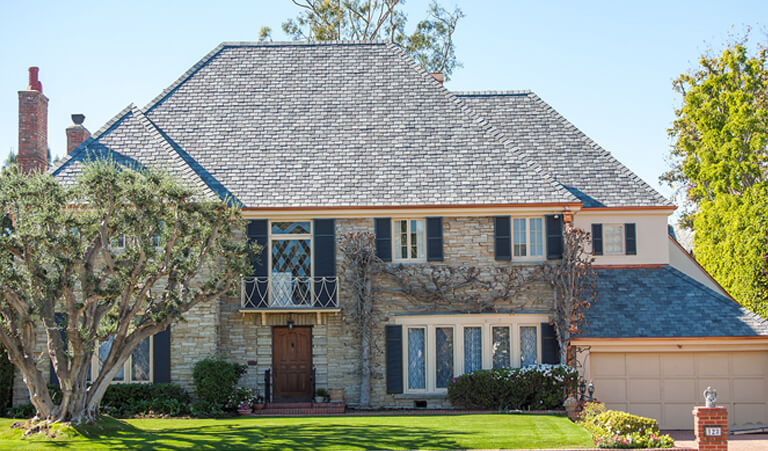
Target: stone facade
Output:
[{"x": 246, "y": 338}]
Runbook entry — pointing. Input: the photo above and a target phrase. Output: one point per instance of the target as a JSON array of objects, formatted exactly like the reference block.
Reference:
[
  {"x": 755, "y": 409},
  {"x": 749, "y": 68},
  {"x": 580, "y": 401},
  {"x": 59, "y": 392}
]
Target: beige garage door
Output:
[{"x": 667, "y": 386}]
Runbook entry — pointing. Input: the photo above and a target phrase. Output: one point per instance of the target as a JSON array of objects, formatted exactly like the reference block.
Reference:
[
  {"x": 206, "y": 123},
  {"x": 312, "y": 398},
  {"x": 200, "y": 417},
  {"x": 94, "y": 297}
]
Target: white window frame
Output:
[
  {"x": 290, "y": 236},
  {"x": 458, "y": 322},
  {"x": 127, "y": 373},
  {"x": 396, "y": 251},
  {"x": 622, "y": 250},
  {"x": 528, "y": 256}
]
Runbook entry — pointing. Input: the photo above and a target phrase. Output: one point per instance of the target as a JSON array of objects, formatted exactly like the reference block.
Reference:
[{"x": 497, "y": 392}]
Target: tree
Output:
[
  {"x": 575, "y": 284},
  {"x": 10, "y": 161},
  {"x": 63, "y": 277},
  {"x": 362, "y": 265},
  {"x": 431, "y": 43},
  {"x": 719, "y": 160},
  {"x": 731, "y": 240},
  {"x": 721, "y": 130}
]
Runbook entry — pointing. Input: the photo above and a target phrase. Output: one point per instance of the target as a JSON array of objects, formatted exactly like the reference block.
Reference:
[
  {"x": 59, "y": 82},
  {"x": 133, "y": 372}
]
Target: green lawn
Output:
[{"x": 370, "y": 432}]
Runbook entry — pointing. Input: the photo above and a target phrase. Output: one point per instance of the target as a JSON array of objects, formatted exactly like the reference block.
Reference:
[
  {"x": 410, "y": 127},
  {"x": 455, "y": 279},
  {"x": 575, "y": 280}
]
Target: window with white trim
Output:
[
  {"x": 528, "y": 237},
  {"x": 438, "y": 348},
  {"x": 613, "y": 239},
  {"x": 409, "y": 239},
  {"x": 137, "y": 368},
  {"x": 290, "y": 263}
]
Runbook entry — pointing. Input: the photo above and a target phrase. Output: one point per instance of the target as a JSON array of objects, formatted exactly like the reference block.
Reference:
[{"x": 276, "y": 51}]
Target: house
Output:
[{"x": 314, "y": 140}]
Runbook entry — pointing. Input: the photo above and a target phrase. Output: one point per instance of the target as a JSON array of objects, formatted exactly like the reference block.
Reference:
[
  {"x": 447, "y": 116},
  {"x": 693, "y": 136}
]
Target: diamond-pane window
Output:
[
  {"x": 290, "y": 228},
  {"x": 291, "y": 272}
]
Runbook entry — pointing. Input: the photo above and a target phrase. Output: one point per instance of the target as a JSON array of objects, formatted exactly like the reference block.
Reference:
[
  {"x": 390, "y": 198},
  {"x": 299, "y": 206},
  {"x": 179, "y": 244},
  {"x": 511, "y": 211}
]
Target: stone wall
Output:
[{"x": 336, "y": 347}]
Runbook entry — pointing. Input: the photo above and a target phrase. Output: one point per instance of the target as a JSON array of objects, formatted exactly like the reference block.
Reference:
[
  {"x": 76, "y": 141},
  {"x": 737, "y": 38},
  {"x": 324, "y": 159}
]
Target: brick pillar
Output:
[
  {"x": 710, "y": 424},
  {"x": 76, "y": 133},
  {"x": 33, "y": 126}
]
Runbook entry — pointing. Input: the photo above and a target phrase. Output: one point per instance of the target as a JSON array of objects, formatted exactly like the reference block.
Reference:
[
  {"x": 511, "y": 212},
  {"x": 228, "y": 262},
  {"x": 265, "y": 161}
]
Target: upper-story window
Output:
[
  {"x": 528, "y": 237},
  {"x": 290, "y": 244},
  {"x": 409, "y": 239},
  {"x": 613, "y": 239}
]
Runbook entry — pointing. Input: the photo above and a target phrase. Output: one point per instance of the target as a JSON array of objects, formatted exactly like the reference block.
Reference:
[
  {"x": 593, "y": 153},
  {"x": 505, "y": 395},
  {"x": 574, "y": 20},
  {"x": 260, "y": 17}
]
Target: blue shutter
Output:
[
  {"x": 161, "y": 356},
  {"x": 435, "y": 239},
  {"x": 61, "y": 321},
  {"x": 550, "y": 347},
  {"x": 502, "y": 232},
  {"x": 554, "y": 225},
  {"x": 383, "y": 227},
  {"x": 257, "y": 232},
  {"x": 325, "y": 262},
  {"x": 597, "y": 239},
  {"x": 394, "y": 358},
  {"x": 630, "y": 240}
]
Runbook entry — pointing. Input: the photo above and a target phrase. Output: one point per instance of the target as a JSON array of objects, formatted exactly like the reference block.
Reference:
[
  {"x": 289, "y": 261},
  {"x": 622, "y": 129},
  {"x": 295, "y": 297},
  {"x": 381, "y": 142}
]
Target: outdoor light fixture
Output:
[{"x": 290, "y": 324}]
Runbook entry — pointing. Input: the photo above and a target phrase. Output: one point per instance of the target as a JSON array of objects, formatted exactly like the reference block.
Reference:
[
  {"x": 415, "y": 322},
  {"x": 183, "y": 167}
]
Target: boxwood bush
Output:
[
  {"x": 535, "y": 387},
  {"x": 215, "y": 382},
  {"x": 128, "y": 400},
  {"x": 614, "y": 429}
]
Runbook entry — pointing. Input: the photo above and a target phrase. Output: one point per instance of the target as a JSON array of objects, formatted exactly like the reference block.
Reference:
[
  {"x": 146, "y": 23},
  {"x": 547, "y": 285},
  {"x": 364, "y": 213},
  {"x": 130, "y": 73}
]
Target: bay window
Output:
[{"x": 437, "y": 348}]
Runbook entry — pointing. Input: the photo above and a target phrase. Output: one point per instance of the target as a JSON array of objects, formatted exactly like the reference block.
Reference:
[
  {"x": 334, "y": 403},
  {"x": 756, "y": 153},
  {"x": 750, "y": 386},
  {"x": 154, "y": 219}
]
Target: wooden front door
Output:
[{"x": 292, "y": 363}]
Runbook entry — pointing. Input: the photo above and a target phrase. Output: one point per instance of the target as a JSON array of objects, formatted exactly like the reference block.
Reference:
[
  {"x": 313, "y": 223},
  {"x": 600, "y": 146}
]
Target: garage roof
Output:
[{"x": 664, "y": 302}]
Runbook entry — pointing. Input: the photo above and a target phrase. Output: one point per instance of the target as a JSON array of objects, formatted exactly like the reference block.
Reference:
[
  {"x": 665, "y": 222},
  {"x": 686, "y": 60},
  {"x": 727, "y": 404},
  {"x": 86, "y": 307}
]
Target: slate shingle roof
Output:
[
  {"x": 664, "y": 302},
  {"x": 334, "y": 124},
  {"x": 590, "y": 172}
]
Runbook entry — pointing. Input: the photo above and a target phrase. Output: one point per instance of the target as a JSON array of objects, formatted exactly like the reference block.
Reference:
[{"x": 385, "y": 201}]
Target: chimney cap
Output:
[
  {"x": 78, "y": 118},
  {"x": 34, "y": 82}
]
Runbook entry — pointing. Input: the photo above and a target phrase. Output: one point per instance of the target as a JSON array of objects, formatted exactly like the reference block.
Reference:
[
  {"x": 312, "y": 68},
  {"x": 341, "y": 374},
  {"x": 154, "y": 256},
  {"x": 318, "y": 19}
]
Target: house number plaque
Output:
[{"x": 713, "y": 431}]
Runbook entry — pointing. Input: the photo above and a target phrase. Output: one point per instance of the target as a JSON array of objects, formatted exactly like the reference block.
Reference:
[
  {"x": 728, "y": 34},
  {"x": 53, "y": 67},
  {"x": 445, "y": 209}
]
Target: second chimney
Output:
[{"x": 76, "y": 133}]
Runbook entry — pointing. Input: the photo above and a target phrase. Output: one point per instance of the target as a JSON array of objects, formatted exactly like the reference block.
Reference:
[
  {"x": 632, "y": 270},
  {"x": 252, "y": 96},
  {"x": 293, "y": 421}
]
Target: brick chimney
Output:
[
  {"x": 33, "y": 126},
  {"x": 76, "y": 133}
]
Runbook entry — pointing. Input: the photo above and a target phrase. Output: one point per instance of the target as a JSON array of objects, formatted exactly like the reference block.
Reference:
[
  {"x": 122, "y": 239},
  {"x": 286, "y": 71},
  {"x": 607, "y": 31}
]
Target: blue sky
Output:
[{"x": 607, "y": 66}]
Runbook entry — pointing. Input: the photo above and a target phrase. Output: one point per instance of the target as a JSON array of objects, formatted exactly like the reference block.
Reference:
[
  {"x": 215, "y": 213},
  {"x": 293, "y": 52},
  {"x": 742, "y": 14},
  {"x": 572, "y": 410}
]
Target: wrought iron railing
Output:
[{"x": 285, "y": 291}]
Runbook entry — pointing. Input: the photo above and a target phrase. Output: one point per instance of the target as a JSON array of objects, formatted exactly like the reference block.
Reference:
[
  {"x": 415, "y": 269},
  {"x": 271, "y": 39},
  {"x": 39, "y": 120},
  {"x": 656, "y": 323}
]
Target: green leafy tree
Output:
[
  {"x": 10, "y": 161},
  {"x": 431, "y": 43},
  {"x": 59, "y": 259},
  {"x": 719, "y": 162}
]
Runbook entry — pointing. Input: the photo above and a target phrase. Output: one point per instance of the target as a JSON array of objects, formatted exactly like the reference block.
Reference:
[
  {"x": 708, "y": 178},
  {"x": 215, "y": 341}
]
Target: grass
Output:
[{"x": 316, "y": 433}]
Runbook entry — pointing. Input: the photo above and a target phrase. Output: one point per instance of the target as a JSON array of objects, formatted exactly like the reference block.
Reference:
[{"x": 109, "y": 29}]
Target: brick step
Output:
[{"x": 308, "y": 411}]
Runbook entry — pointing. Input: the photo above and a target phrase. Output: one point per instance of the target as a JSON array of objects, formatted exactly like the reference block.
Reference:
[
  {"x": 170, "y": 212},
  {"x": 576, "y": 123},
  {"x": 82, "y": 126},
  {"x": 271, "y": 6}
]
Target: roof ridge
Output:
[
  {"x": 604, "y": 152},
  {"x": 710, "y": 292},
  {"x": 493, "y": 93},
  {"x": 304, "y": 43},
  {"x": 485, "y": 125},
  {"x": 185, "y": 170},
  {"x": 105, "y": 129}
]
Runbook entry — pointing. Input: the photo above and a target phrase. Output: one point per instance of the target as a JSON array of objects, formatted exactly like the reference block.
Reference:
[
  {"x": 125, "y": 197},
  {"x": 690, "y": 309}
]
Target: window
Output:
[
  {"x": 118, "y": 242},
  {"x": 501, "y": 347},
  {"x": 409, "y": 239},
  {"x": 529, "y": 349},
  {"x": 290, "y": 263},
  {"x": 613, "y": 239},
  {"x": 473, "y": 349},
  {"x": 138, "y": 367},
  {"x": 443, "y": 356},
  {"x": 437, "y": 348},
  {"x": 528, "y": 237},
  {"x": 416, "y": 358}
]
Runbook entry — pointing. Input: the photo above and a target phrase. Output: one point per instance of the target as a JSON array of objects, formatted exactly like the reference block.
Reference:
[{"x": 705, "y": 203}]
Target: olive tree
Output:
[{"x": 62, "y": 276}]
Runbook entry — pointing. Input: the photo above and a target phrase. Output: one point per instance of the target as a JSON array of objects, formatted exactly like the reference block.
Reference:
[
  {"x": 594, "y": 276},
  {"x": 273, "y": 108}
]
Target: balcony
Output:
[{"x": 284, "y": 292}]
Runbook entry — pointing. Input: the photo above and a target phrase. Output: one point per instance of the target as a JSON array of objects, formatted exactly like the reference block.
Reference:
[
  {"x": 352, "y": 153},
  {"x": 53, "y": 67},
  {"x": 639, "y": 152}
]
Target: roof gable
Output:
[{"x": 538, "y": 131}]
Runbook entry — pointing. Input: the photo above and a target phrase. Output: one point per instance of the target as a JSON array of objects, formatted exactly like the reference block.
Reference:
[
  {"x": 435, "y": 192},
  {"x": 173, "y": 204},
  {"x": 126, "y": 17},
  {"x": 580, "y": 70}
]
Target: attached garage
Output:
[
  {"x": 655, "y": 339},
  {"x": 667, "y": 385}
]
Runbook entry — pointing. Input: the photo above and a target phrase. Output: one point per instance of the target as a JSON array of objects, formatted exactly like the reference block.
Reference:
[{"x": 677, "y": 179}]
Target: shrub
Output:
[
  {"x": 22, "y": 411},
  {"x": 614, "y": 429},
  {"x": 125, "y": 400},
  {"x": 536, "y": 387},
  {"x": 6, "y": 382},
  {"x": 215, "y": 381}
]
